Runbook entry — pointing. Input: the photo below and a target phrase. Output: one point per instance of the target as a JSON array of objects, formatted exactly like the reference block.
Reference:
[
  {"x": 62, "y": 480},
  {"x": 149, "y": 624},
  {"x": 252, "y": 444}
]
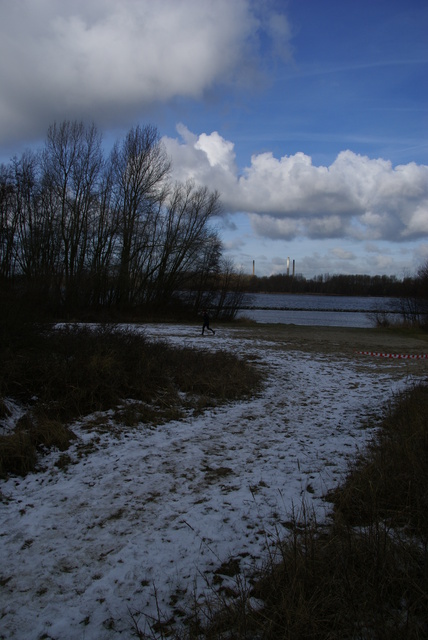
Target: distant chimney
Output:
[
  {"x": 294, "y": 267},
  {"x": 288, "y": 266},
  {"x": 254, "y": 267}
]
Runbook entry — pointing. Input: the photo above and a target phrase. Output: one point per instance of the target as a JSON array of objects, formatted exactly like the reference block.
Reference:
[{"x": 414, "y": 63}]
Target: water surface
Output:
[{"x": 328, "y": 311}]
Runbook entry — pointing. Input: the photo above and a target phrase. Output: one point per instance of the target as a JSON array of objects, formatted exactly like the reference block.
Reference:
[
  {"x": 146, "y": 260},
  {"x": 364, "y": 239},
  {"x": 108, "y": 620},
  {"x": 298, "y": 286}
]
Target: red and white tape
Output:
[{"x": 418, "y": 356}]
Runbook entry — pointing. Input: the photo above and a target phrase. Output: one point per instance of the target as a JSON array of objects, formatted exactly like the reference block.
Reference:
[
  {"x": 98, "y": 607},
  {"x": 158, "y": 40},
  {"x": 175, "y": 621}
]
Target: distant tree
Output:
[
  {"x": 414, "y": 301},
  {"x": 422, "y": 281}
]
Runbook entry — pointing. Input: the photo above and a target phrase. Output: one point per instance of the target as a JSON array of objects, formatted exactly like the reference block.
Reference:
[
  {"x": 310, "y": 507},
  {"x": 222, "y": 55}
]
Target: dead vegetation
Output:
[
  {"x": 362, "y": 576},
  {"x": 63, "y": 374}
]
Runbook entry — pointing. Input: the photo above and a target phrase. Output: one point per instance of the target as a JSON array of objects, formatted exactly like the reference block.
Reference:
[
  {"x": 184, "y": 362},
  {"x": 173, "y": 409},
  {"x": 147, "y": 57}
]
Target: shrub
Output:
[
  {"x": 18, "y": 450},
  {"x": 17, "y": 454},
  {"x": 78, "y": 370}
]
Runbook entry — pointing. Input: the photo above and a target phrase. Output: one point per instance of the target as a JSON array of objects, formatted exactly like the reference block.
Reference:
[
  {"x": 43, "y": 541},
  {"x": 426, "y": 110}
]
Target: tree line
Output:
[
  {"x": 340, "y": 284},
  {"x": 79, "y": 230}
]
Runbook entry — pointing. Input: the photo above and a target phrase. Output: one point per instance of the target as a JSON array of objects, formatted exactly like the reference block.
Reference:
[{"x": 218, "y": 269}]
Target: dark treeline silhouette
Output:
[
  {"x": 349, "y": 285},
  {"x": 81, "y": 231}
]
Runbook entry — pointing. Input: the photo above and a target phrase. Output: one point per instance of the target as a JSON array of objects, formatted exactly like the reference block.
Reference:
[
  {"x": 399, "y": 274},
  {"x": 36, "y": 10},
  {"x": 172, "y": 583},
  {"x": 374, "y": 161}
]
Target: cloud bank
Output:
[
  {"x": 356, "y": 197},
  {"x": 108, "y": 61}
]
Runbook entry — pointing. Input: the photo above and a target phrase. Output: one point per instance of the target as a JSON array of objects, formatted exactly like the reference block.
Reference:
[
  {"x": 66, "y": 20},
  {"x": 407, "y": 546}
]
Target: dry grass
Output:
[
  {"x": 63, "y": 375},
  {"x": 18, "y": 450},
  {"x": 76, "y": 371},
  {"x": 364, "y": 576},
  {"x": 390, "y": 483},
  {"x": 18, "y": 455}
]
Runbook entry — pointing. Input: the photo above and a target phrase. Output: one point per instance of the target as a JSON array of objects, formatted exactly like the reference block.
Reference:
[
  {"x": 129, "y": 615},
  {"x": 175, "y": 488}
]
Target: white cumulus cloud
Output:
[{"x": 355, "y": 197}]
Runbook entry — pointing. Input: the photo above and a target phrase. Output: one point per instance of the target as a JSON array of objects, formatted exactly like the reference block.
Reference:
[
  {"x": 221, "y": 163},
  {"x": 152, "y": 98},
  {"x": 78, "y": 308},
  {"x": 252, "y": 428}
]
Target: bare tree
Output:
[
  {"x": 102, "y": 246},
  {"x": 72, "y": 163},
  {"x": 184, "y": 239},
  {"x": 231, "y": 288},
  {"x": 140, "y": 168},
  {"x": 8, "y": 223},
  {"x": 205, "y": 275},
  {"x": 30, "y": 240},
  {"x": 85, "y": 231}
]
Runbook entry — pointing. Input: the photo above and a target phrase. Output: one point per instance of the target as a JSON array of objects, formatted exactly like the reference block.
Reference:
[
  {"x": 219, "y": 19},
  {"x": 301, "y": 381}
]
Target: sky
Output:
[
  {"x": 143, "y": 512},
  {"x": 309, "y": 118}
]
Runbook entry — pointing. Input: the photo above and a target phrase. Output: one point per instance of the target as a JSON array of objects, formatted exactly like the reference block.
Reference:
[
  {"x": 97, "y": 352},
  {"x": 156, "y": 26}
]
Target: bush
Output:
[
  {"x": 18, "y": 450},
  {"x": 17, "y": 454}
]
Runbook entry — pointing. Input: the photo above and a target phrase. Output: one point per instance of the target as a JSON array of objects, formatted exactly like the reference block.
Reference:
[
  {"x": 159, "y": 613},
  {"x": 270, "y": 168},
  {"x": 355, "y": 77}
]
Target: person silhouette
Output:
[{"x": 206, "y": 322}]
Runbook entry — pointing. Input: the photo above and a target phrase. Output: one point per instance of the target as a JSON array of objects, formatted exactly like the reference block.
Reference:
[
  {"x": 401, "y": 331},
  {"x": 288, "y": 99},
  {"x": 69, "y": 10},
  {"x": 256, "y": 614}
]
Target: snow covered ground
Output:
[{"x": 143, "y": 520}]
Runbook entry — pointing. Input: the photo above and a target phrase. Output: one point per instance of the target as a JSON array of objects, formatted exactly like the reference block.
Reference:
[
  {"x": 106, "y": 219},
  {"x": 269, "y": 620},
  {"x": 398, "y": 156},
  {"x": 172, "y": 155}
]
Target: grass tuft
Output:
[
  {"x": 17, "y": 454},
  {"x": 390, "y": 482}
]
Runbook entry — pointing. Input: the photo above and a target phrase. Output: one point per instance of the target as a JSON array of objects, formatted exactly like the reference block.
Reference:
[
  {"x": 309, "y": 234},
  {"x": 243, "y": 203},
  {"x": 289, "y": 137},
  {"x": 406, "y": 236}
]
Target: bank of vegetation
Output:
[
  {"x": 415, "y": 286},
  {"x": 331, "y": 284},
  {"x": 56, "y": 375}
]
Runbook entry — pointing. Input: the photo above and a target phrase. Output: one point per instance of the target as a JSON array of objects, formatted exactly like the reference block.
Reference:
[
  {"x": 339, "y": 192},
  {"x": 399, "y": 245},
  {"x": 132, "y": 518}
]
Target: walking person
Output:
[{"x": 206, "y": 323}]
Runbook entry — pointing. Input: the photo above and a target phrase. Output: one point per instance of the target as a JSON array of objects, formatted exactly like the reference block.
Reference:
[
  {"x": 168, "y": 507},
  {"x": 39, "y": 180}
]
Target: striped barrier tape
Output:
[{"x": 418, "y": 356}]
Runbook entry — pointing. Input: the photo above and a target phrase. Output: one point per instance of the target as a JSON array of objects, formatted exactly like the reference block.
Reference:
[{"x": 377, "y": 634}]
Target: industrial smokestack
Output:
[
  {"x": 254, "y": 267},
  {"x": 288, "y": 266},
  {"x": 294, "y": 267}
]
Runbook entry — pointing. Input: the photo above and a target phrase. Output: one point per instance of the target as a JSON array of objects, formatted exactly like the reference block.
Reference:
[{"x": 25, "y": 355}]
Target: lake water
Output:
[{"x": 328, "y": 311}]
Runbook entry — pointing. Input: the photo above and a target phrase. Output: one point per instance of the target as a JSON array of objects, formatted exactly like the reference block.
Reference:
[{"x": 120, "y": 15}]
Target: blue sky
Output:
[{"x": 310, "y": 117}]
